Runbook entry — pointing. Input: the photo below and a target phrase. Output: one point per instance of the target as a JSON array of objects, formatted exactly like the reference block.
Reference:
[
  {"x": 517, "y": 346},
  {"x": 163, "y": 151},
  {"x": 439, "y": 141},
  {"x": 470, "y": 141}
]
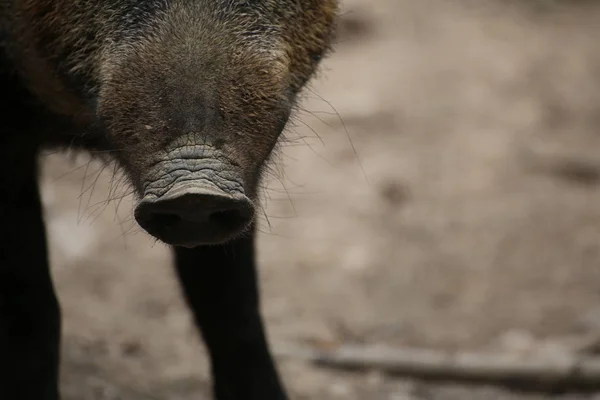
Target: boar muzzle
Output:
[
  {"x": 190, "y": 215},
  {"x": 193, "y": 207}
]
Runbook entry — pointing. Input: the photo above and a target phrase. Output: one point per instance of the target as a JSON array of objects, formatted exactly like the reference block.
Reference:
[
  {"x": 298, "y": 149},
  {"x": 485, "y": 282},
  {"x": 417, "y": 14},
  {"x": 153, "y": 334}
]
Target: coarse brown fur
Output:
[{"x": 68, "y": 51}]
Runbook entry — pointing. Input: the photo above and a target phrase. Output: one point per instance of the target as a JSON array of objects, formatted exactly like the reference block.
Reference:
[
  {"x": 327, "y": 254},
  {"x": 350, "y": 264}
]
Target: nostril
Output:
[
  {"x": 166, "y": 220},
  {"x": 227, "y": 218}
]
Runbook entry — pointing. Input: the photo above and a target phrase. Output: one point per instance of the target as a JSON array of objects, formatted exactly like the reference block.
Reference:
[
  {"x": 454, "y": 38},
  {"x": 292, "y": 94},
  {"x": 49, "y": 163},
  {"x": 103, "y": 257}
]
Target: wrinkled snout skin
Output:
[{"x": 194, "y": 196}]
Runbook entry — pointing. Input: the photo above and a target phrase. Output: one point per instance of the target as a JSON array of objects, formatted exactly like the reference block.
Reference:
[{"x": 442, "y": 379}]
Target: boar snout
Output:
[
  {"x": 200, "y": 204},
  {"x": 190, "y": 215}
]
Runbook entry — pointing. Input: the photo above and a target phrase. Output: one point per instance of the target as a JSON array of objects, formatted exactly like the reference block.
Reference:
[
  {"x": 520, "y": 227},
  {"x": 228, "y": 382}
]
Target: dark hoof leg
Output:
[
  {"x": 29, "y": 311},
  {"x": 220, "y": 285}
]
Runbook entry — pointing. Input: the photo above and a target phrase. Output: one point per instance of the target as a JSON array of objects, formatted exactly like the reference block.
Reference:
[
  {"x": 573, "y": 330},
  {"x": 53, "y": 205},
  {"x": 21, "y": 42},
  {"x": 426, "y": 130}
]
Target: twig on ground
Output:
[{"x": 540, "y": 373}]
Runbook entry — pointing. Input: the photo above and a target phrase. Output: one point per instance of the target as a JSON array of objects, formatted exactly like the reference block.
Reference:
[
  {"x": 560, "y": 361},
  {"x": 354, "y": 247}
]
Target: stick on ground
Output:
[{"x": 540, "y": 373}]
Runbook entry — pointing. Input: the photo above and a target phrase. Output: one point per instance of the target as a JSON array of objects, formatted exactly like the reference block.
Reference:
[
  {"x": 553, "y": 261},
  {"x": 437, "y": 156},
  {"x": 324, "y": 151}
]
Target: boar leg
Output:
[
  {"x": 29, "y": 310},
  {"x": 220, "y": 285}
]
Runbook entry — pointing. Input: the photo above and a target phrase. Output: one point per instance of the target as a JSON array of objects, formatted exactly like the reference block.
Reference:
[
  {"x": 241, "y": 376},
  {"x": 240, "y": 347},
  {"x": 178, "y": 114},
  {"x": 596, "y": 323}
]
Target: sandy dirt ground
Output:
[{"x": 468, "y": 218}]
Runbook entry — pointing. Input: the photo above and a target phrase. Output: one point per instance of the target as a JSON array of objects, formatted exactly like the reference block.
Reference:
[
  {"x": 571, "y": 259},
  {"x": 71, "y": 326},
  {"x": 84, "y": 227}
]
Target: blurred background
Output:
[{"x": 438, "y": 187}]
